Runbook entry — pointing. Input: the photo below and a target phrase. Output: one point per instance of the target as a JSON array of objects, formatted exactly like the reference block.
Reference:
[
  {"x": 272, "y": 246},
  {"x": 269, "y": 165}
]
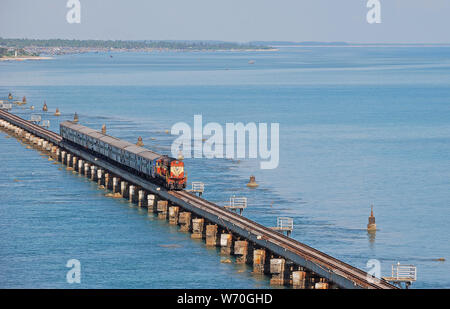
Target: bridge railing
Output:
[
  {"x": 285, "y": 223},
  {"x": 238, "y": 202},
  {"x": 198, "y": 186},
  {"x": 404, "y": 272},
  {"x": 6, "y": 106},
  {"x": 36, "y": 118}
]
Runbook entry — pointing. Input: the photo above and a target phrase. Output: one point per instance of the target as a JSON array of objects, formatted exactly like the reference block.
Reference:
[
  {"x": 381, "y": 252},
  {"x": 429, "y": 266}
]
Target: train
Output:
[{"x": 150, "y": 165}]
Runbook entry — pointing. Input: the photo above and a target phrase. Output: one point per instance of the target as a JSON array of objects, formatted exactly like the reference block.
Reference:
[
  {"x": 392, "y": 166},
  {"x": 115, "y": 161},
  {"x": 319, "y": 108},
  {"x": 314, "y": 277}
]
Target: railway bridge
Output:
[{"x": 288, "y": 261}]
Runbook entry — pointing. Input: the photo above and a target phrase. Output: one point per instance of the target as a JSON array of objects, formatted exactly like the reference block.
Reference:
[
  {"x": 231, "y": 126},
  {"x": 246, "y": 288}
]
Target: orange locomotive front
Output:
[{"x": 171, "y": 172}]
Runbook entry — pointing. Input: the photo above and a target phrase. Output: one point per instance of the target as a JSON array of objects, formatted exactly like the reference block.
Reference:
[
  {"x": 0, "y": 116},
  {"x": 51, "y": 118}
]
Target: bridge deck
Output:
[{"x": 343, "y": 274}]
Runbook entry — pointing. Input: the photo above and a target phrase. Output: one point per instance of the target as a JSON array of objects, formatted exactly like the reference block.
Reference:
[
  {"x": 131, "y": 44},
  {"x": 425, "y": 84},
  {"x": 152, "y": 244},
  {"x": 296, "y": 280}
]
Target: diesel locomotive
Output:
[{"x": 162, "y": 169}]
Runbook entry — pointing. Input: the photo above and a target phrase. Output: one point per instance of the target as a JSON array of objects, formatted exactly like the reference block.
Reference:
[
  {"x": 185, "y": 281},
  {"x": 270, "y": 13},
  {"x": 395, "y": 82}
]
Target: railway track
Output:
[
  {"x": 327, "y": 262},
  {"x": 357, "y": 275},
  {"x": 33, "y": 128}
]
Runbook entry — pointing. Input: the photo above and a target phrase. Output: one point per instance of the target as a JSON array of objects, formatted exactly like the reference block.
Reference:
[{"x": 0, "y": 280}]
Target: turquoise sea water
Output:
[{"x": 358, "y": 126}]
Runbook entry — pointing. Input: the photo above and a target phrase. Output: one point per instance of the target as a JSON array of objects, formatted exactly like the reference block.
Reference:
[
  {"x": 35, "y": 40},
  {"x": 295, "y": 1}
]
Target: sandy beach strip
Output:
[{"x": 24, "y": 58}]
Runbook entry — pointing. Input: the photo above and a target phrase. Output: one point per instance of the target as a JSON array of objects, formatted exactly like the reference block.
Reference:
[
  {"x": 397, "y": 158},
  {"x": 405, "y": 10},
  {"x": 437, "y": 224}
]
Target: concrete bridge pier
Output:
[
  {"x": 53, "y": 152},
  {"x": 141, "y": 198},
  {"x": 151, "y": 202},
  {"x": 93, "y": 174},
  {"x": 57, "y": 154},
  {"x": 305, "y": 279},
  {"x": 321, "y": 286},
  {"x": 299, "y": 279},
  {"x": 63, "y": 157},
  {"x": 173, "y": 215},
  {"x": 132, "y": 193},
  {"x": 198, "y": 228},
  {"x": 259, "y": 261},
  {"x": 226, "y": 243},
  {"x": 80, "y": 166},
  {"x": 68, "y": 160},
  {"x": 311, "y": 280},
  {"x": 75, "y": 163},
  {"x": 277, "y": 269},
  {"x": 100, "y": 178},
  {"x": 318, "y": 283},
  {"x": 124, "y": 189},
  {"x": 161, "y": 209},
  {"x": 86, "y": 169},
  {"x": 49, "y": 147},
  {"x": 211, "y": 235},
  {"x": 242, "y": 250},
  {"x": 116, "y": 185},
  {"x": 184, "y": 220},
  {"x": 107, "y": 181}
]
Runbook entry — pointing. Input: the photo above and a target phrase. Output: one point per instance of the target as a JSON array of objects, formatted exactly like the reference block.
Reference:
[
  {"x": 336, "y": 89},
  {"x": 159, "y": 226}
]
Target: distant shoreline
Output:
[
  {"x": 24, "y": 58},
  {"x": 52, "y": 47},
  {"x": 367, "y": 45},
  {"x": 102, "y": 51}
]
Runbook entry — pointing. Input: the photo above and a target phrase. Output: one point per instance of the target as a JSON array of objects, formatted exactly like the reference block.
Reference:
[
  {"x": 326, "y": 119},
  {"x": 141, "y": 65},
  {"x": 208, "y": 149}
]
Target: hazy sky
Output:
[{"x": 403, "y": 21}]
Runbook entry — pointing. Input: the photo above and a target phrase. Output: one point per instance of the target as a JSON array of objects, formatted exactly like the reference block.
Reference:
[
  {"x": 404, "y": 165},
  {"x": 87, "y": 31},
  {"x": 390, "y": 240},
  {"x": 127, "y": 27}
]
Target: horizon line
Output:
[{"x": 279, "y": 42}]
